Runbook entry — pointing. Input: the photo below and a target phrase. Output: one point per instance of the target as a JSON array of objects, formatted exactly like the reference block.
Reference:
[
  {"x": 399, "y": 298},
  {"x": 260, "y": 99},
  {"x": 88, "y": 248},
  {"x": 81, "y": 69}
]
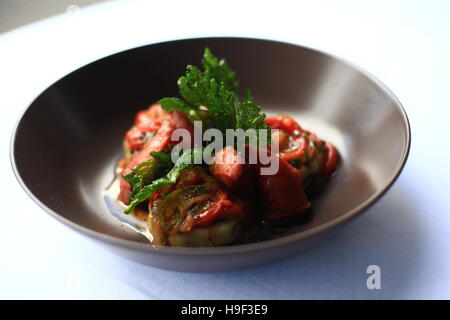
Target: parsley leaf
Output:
[
  {"x": 201, "y": 90},
  {"x": 218, "y": 69},
  {"x": 215, "y": 89},
  {"x": 172, "y": 104},
  {"x": 249, "y": 116}
]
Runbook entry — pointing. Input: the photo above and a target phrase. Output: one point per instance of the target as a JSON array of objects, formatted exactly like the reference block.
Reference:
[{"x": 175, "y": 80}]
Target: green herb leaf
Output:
[
  {"x": 201, "y": 90},
  {"x": 216, "y": 89},
  {"x": 148, "y": 171},
  {"x": 249, "y": 116},
  {"x": 172, "y": 104},
  {"x": 184, "y": 161},
  {"x": 163, "y": 157},
  {"x": 218, "y": 69},
  {"x": 248, "y": 95}
]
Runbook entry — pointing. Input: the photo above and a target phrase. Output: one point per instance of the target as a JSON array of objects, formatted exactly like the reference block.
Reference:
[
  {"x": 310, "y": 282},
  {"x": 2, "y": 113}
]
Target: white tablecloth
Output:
[{"x": 406, "y": 44}]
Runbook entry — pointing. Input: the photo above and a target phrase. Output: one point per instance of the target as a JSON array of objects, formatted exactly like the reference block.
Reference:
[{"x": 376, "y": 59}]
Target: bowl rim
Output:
[{"x": 240, "y": 248}]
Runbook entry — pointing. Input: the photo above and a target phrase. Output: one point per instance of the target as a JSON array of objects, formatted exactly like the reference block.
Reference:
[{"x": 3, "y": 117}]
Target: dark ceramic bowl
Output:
[{"x": 68, "y": 141}]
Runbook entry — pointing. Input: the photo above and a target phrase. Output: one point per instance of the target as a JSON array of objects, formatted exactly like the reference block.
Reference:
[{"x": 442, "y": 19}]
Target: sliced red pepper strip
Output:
[
  {"x": 158, "y": 143},
  {"x": 285, "y": 123},
  {"x": 231, "y": 171},
  {"x": 135, "y": 137},
  {"x": 291, "y": 127},
  {"x": 281, "y": 194},
  {"x": 146, "y": 121},
  {"x": 161, "y": 141}
]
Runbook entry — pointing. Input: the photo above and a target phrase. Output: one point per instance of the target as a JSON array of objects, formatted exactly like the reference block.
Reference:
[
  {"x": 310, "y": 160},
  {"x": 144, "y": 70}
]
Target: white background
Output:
[{"x": 406, "y": 44}]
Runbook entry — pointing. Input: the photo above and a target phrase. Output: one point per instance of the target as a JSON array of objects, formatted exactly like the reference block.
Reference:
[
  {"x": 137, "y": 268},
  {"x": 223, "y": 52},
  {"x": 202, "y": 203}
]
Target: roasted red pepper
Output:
[
  {"x": 301, "y": 147},
  {"x": 331, "y": 161},
  {"x": 196, "y": 200},
  {"x": 232, "y": 172},
  {"x": 145, "y": 123},
  {"x": 293, "y": 144},
  {"x": 162, "y": 140},
  {"x": 282, "y": 194}
]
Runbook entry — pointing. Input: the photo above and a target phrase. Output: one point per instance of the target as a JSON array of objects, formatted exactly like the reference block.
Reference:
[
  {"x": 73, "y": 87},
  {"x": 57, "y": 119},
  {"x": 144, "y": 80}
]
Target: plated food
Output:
[
  {"x": 65, "y": 148},
  {"x": 193, "y": 194}
]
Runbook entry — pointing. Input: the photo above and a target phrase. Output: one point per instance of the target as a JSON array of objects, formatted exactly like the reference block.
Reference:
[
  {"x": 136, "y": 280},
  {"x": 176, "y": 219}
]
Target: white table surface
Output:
[{"x": 406, "y": 44}]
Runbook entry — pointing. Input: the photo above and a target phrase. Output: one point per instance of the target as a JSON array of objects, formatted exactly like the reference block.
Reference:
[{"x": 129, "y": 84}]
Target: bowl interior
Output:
[{"x": 68, "y": 142}]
